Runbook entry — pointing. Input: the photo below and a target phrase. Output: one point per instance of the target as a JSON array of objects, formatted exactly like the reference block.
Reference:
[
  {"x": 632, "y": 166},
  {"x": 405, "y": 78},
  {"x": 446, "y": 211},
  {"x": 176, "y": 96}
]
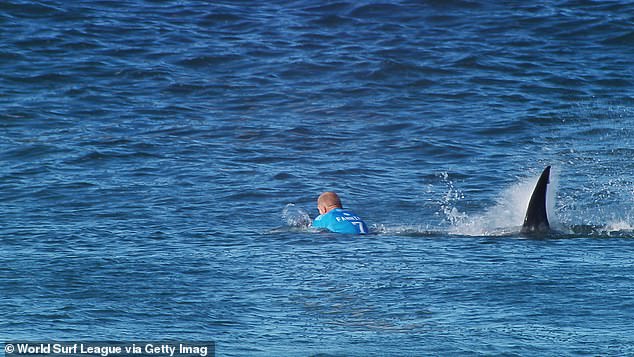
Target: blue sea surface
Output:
[{"x": 161, "y": 162}]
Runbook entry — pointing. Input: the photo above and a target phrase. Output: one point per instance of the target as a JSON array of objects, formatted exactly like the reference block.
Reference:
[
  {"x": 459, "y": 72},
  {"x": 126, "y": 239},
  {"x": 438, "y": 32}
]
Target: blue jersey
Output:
[{"x": 340, "y": 220}]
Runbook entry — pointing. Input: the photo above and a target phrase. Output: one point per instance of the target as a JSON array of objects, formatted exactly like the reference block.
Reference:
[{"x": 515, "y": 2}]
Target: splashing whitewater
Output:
[
  {"x": 296, "y": 217},
  {"x": 505, "y": 217}
]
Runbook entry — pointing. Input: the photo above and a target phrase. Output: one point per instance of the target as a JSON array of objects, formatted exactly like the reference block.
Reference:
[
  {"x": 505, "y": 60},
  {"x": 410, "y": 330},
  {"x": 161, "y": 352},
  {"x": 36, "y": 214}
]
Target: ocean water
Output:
[{"x": 161, "y": 161}]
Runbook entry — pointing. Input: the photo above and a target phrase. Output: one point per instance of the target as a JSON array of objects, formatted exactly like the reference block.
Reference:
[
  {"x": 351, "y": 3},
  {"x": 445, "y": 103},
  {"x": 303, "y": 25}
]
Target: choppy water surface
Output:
[{"x": 160, "y": 161}]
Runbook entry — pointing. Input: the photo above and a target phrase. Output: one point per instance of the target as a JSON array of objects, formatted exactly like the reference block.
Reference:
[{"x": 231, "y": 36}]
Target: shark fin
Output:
[{"x": 536, "y": 220}]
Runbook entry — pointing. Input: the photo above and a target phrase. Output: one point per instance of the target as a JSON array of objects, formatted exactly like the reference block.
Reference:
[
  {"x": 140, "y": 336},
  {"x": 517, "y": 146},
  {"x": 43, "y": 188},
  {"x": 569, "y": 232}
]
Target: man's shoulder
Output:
[
  {"x": 346, "y": 213},
  {"x": 324, "y": 216},
  {"x": 322, "y": 220}
]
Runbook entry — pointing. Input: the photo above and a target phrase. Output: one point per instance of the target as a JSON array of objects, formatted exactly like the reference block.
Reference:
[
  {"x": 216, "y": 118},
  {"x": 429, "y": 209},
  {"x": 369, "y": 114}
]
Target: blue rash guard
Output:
[{"x": 340, "y": 220}]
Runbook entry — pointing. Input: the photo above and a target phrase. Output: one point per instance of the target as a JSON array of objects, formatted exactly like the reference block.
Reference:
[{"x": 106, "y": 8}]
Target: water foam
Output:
[
  {"x": 505, "y": 217},
  {"x": 619, "y": 226},
  {"x": 295, "y": 217},
  {"x": 404, "y": 230}
]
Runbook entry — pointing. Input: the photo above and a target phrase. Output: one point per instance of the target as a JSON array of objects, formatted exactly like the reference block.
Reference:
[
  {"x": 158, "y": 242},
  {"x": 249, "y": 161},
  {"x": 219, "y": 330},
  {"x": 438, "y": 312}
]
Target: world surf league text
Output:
[{"x": 110, "y": 349}]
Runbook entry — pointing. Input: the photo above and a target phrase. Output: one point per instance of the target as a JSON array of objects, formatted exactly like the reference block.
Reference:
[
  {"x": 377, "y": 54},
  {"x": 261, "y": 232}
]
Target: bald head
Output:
[{"x": 328, "y": 201}]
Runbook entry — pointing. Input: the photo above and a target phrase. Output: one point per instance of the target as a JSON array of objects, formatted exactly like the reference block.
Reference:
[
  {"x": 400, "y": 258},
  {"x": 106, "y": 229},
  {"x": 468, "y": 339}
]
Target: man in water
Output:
[{"x": 334, "y": 218}]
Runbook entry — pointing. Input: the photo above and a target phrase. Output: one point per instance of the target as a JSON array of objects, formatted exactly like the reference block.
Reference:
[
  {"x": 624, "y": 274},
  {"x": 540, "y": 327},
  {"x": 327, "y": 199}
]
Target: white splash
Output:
[
  {"x": 505, "y": 217},
  {"x": 619, "y": 226},
  {"x": 295, "y": 217}
]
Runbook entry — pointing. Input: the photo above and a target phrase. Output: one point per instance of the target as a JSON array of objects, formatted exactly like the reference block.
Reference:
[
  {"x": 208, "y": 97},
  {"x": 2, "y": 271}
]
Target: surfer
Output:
[{"x": 333, "y": 217}]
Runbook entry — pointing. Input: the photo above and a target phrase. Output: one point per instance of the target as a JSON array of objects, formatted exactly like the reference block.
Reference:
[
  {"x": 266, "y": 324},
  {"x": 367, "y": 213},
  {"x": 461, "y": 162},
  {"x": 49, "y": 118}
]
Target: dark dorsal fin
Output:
[{"x": 536, "y": 220}]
